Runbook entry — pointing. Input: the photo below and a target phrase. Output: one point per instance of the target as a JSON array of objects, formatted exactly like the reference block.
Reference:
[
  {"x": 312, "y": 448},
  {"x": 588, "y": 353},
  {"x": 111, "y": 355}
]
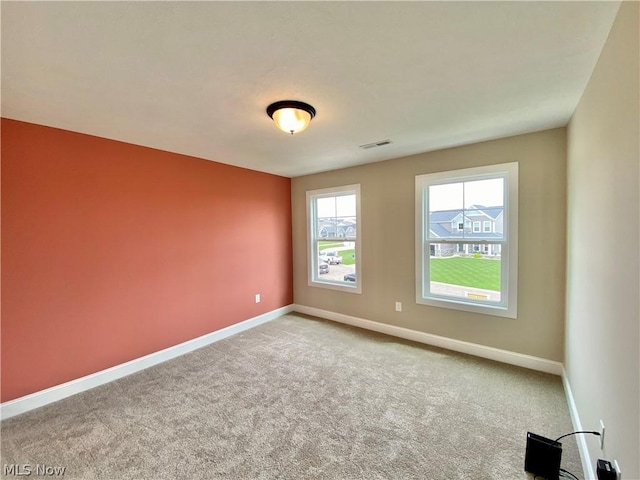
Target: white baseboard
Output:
[
  {"x": 39, "y": 399},
  {"x": 504, "y": 356},
  {"x": 587, "y": 469}
]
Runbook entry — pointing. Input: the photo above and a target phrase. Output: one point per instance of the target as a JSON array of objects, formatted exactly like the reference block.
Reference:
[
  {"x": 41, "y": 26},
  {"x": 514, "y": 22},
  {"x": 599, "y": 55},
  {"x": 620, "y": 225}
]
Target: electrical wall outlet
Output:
[
  {"x": 618, "y": 471},
  {"x": 398, "y": 306},
  {"x": 257, "y": 298},
  {"x": 601, "y": 435}
]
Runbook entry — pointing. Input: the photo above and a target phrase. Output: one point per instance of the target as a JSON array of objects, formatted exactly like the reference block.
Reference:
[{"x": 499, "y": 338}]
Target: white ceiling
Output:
[{"x": 196, "y": 78}]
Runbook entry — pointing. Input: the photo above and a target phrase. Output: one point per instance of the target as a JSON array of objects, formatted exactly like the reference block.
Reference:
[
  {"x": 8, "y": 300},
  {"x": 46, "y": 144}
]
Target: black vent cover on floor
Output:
[{"x": 543, "y": 456}]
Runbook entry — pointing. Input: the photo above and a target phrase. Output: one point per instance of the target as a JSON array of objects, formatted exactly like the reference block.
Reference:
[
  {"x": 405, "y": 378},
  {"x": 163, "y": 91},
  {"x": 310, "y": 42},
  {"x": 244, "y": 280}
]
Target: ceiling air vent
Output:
[{"x": 380, "y": 143}]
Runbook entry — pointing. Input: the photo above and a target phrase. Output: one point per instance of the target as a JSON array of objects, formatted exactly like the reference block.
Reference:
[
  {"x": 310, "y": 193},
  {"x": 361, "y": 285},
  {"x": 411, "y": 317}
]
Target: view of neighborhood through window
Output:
[
  {"x": 333, "y": 216},
  {"x": 464, "y": 245},
  {"x": 466, "y": 269}
]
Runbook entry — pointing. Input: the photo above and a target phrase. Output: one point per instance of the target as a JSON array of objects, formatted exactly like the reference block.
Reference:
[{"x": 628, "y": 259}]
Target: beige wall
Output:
[
  {"x": 388, "y": 235},
  {"x": 602, "y": 346}
]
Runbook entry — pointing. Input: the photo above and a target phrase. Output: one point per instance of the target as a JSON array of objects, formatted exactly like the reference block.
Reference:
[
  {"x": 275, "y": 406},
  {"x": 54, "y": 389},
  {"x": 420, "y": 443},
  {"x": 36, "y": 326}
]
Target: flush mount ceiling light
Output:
[{"x": 291, "y": 116}]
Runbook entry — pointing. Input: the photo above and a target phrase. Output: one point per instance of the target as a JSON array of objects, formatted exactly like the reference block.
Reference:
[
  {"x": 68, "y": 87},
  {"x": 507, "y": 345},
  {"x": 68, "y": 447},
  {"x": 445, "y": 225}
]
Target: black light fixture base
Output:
[
  {"x": 543, "y": 456},
  {"x": 271, "y": 109}
]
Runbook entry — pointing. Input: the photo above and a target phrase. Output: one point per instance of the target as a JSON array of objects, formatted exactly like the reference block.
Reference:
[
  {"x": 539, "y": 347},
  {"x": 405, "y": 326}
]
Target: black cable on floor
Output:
[{"x": 567, "y": 474}]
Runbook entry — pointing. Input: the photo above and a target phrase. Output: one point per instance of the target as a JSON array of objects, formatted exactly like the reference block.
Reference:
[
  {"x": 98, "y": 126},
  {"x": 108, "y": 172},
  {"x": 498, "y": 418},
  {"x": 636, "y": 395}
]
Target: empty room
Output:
[{"x": 320, "y": 240}]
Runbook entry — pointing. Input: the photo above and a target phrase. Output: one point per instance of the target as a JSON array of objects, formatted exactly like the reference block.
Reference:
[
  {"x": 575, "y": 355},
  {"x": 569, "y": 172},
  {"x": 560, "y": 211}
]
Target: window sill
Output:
[
  {"x": 336, "y": 286},
  {"x": 492, "y": 310}
]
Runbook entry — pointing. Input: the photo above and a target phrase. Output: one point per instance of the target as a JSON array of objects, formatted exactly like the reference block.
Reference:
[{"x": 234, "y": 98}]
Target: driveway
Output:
[{"x": 337, "y": 272}]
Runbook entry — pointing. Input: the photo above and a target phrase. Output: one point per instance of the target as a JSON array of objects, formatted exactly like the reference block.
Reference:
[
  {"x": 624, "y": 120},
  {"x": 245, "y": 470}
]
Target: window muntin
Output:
[
  {"x": 334, "y": 243},
  {"x": 473, "y": 269}
]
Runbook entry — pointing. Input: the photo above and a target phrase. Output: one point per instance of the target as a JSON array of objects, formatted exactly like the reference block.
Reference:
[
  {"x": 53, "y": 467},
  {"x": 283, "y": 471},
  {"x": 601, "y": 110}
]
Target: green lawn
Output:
[
  {"x": 348, "y": 256},
  {"x": 467, "y": 271},
  {"x": 323, "y": 245}
]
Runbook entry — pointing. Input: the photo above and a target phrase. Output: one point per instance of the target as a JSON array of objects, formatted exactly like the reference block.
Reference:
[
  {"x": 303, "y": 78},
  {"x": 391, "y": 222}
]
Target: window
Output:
[
  {"x": 334, "y": 243},
  {"x": 471, "y": 269}
]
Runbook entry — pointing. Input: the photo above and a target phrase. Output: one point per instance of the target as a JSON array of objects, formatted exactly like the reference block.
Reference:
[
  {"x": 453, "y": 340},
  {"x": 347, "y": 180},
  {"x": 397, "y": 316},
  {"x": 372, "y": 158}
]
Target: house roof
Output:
[
  {"x": 196, "y": 77},
  {"x": 441, "y": 216},
  {"x": 493, "y": 212}
]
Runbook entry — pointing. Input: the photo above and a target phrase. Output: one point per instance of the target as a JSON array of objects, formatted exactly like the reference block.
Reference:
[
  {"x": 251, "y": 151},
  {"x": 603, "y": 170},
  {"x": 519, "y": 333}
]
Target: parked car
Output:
[
  {"x": 331, "y": 257},
  {"x": 350, "y": 277},
  {"x": 323, "y": 267}
]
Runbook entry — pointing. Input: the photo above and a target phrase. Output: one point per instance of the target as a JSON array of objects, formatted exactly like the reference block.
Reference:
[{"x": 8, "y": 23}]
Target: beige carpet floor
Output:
[{"x": 301, "y": 398}]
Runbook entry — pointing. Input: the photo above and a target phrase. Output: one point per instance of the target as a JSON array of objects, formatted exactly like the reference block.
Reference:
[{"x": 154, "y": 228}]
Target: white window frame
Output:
[
  {"x": 476, "y": 227},
  {"x": 486, "y": 226},
  {"x": 314, "y": 278},
  {"x": 508, "y": 305}
]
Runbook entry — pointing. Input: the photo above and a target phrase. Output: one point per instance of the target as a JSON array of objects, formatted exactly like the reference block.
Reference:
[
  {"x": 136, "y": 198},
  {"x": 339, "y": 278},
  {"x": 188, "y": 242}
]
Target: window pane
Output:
[
  {"x": 336, "y": 217},
  {"x": 484, "y": 193},
  {"x": 472, "y": 209},
  {"x": 446, "y": 197},
  {"x": 346, "y": 206},
  {"x": 336, "y": 261},
  {"x": 470, "y": 271},
  {"x": 326, "y": 207}
]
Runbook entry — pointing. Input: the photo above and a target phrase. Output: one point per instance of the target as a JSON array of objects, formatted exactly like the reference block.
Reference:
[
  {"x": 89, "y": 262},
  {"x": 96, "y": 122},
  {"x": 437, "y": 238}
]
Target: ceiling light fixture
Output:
[{"x": 291, "y": 116}]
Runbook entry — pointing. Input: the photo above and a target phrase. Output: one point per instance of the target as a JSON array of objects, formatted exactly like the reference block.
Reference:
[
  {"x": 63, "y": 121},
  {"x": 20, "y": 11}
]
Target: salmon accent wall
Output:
[{"x": 111, "y": 251}]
